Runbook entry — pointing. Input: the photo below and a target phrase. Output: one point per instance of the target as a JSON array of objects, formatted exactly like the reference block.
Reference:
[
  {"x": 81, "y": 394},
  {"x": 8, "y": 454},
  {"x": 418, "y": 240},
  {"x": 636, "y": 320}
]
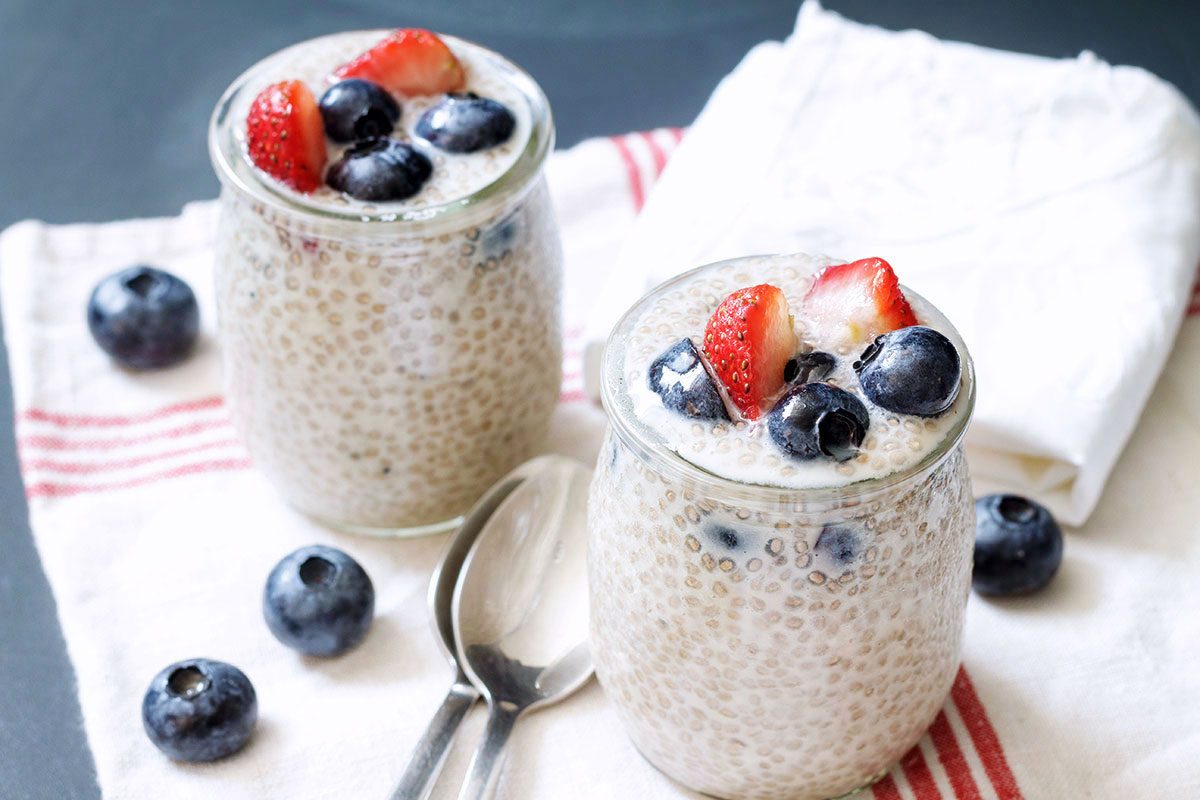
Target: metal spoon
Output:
[
  {"x": 430, "y": 753},
  {"x": 521, "y": 608}
]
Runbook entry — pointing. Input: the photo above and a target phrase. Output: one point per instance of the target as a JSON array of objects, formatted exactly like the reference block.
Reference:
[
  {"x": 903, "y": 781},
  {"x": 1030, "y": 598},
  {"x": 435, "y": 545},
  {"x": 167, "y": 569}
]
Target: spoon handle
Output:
[
  {"x": 485, "y": 764},
  {"x": 430, "y": 754}
]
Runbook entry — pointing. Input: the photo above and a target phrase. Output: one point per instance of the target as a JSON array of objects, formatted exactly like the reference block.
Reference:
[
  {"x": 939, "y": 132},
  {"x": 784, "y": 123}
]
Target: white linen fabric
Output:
[
  {"x": 1051, "y": 208},
  {"x": 156, "y": 535}
]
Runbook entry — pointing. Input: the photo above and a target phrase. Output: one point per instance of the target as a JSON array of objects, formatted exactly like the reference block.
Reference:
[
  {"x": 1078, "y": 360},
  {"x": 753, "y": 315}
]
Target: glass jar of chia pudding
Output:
[
  {"x": 386, "y": 362},
  {"x": 767, "y": 628}
]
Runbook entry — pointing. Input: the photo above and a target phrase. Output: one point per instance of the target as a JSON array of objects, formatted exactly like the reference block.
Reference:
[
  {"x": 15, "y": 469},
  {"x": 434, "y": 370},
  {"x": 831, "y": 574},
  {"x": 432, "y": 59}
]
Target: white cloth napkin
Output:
[
  {"x": 156, "y": 536},
  {"x": 1051, "y": 208}
]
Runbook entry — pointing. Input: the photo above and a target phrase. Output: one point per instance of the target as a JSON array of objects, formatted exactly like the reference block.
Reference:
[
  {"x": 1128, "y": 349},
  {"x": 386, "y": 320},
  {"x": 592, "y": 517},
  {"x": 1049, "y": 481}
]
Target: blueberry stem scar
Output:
[
  {"x": 317, "y": 572},
  {"x": 187, "y": 682}
]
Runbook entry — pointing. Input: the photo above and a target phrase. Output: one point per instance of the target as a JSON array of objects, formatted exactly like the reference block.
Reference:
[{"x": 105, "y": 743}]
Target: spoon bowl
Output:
[
  {"x": 521, "y": 607},
  {"x": 430, "y": 753}
]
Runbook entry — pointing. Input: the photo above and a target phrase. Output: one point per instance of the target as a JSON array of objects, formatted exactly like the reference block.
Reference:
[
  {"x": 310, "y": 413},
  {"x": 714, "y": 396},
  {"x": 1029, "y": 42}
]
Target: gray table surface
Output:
[{"x": 103, "y": 108}]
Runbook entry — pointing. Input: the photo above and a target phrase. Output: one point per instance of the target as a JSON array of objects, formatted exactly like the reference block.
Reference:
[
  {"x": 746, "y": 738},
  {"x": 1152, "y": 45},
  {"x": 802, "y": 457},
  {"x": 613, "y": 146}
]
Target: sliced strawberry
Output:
[
  {"x": 409, "y": 61},
  {"x": 851, "y": 304},
  {"x": 748, "y": 341},
  {"x": 285, "y": 136}
]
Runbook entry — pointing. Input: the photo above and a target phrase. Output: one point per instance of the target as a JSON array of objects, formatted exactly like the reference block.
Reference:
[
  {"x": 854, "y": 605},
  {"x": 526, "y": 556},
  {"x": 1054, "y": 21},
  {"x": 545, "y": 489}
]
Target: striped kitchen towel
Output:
[{"x": 156, "y": 534}]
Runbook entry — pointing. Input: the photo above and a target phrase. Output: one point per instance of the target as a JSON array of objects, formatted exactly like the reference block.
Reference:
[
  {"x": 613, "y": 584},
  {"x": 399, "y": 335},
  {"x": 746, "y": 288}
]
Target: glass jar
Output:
[
  {"x": 384, "y": 367},
  {"x": 762, "y": 642}
]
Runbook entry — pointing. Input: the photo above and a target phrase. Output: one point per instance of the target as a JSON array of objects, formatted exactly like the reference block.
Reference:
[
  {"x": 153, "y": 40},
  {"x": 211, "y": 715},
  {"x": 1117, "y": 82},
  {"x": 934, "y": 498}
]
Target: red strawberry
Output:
[
  {"x": 748, "y": 341},
  {"x": 285, "y": 136},
  {"x": 409, "y": 61},
  {"x": 851, "y": 304}
]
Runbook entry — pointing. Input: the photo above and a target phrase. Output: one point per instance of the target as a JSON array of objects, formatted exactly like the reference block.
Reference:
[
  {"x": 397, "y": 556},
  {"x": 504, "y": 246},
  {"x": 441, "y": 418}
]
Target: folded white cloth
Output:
[
  {"x": 156, "y": 536},
  {"x": 1051, "y": 208}
]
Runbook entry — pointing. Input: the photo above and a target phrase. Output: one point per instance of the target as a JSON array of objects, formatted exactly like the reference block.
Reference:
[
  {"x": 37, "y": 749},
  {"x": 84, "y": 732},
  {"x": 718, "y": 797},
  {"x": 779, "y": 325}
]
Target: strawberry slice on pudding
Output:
[
  {"x": 410, "y": 61},
  {"x": 285, "y": 136},
  {"x": 850, "y": 304},
  {"x": 748, "y": 342}
]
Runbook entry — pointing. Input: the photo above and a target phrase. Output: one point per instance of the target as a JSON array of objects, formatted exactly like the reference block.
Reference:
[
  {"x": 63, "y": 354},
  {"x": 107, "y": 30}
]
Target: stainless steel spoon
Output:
[
  {"x": 430, "y": 753},
  {"x": 521, "y": 608}
]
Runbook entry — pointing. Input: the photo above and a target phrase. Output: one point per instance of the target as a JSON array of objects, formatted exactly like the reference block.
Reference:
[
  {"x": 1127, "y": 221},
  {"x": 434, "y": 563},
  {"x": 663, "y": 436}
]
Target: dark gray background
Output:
[{"x": 103, "y": 108}]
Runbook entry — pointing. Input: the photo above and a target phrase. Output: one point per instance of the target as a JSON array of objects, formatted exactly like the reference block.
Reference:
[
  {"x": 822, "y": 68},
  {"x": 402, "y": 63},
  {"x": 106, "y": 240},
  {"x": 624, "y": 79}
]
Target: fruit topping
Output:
[
  {"x": 1018, "y": 545},
  {"x": 680, "y": 378},
  {"x": 319, "y": 601},
  {"x": 849, "y": 304},
  {"x": 409, "y": 61},
  {"x": 354, "y": 109},
  {"x": 464, "y": 122},
  {"x": 809, "y": 367},
  {"x": 748, "y": 342},
  {"x": 199, "y": 710},
  {"x": 837, "y": 546},
  {"x": 144, "y": 318},
  {"x": 816, "y": 420},
  {"x": 910, "y": 371},
  {"x": 727, "y": 538},
  {"x": 285, "y": 137},
  {"x": 380, "y": 171}
]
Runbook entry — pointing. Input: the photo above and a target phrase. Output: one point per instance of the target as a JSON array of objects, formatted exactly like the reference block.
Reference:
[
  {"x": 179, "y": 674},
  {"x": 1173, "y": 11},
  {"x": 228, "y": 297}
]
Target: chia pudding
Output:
[
  {"x": 387, "y": 354},
  {"x": 773, "y": 620}
]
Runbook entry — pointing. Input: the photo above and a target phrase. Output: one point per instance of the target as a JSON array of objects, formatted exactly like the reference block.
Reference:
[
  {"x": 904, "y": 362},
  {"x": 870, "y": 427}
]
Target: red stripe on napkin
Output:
[
  {"x": 636, "y": 192},
  {"x": 1194, "y": 303},
  {"x": 885, "y": 789},
  {"x": 86, "y": 468},
  {"x": 88, "y": 421},
  {"x": 48, "y": 489},
  {"x": 658, "y": 156},
  {"x": 951, "y": 757},
  {"x": 41, "y": 442},
  {"x": 983, "y": 735},
  {"x": 919, "y": 776}
]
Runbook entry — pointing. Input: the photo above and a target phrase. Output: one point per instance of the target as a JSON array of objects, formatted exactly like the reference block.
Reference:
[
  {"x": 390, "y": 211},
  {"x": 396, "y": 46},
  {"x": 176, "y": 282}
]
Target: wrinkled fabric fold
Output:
[{"x": 1051, "y": 209}]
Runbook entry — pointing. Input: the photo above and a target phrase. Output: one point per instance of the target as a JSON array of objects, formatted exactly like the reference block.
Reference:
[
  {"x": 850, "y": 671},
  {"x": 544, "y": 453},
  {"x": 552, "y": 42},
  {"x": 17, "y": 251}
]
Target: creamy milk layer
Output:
[
  {"x": 455, "y": 175},
  {"x": 742, "y": 450}
]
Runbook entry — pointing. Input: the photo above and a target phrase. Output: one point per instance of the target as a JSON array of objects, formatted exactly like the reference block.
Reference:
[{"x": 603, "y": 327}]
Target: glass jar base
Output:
[
  {"x": 859, "y": 792},
  {"x": 398, "y": 532}
]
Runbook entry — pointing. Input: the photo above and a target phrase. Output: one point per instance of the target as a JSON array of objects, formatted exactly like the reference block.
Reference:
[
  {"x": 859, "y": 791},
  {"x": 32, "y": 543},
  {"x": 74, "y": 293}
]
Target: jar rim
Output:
[
  {"x": 235, "y": 171},
  {"x": 665, "y": 460}
]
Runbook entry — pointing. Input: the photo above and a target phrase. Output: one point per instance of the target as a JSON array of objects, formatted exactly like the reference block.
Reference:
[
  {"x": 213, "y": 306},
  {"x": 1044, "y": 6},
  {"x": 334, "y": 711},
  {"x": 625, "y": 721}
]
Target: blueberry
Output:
[
  {"x": 319, "y": 601},
  {"x": 355, "y": 109},
  {"x": 380, "y": 171},
  {"x": 144, "y": 318},
  {"x": 815, "y": 419},
  {"x": 1018, "y": 545},
  {"x": 680, "y": 378},
  {"x": 727, "y": 538},
  {"x": 498, "y": 240},
  {"x": 464, "y": 122},
  {"x": 837, "y": 544},
  {"x": 809, "y": 367},
  {"x": 913, "y": 370},
  {"x": 199, "y": 710}
]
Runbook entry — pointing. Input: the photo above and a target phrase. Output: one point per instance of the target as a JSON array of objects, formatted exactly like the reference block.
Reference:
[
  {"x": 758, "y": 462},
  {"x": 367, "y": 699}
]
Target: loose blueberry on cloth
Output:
[
  {"x": 1018, "y": 545},
  {"x": 319, "y": 601},
  {"x": 144, "y": 317},
  {"x": 200, "y": 710}
]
